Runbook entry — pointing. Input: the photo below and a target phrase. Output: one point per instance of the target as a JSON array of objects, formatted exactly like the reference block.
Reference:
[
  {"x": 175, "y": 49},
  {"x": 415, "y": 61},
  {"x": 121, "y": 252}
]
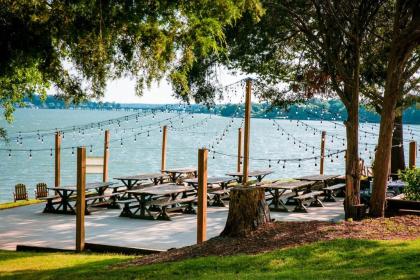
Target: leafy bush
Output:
[{"x": 412, "y": 178}]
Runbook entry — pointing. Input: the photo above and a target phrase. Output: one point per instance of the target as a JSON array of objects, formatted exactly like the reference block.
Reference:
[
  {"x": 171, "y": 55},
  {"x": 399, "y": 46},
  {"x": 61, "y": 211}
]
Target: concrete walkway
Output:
[{"x": 29, "y": 226}]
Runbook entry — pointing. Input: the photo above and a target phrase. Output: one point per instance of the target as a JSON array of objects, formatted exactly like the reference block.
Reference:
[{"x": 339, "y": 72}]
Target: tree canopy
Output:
[{"x": 77, "y": 46}]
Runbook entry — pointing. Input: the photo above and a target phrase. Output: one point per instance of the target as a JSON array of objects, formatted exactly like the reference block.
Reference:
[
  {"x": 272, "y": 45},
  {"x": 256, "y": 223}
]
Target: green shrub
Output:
[{"x": 412, "y": 178}]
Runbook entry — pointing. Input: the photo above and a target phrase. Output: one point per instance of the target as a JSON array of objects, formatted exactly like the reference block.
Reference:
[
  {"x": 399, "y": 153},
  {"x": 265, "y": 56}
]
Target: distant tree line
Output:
[{"x": 313, "y": 109}]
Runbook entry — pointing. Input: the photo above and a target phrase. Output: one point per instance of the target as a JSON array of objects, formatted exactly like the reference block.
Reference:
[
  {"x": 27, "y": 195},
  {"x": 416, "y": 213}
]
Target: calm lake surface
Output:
[{"x": 189, "y": 133}]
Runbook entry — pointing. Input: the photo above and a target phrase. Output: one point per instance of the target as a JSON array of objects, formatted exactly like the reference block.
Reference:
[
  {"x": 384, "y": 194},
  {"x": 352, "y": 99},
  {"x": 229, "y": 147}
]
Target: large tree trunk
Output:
[
  {"x": 406, "y": 21},
  {"x": 383, "y": 152},
  {"x": 397, "y": 154},
  {"x": 248, "y": 210},
  {"x": 352, "y": 162}
]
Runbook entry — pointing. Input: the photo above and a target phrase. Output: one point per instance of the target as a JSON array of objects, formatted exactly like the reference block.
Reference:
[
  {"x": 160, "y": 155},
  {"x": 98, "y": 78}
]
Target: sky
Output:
[{"x": 122, "y": 90}]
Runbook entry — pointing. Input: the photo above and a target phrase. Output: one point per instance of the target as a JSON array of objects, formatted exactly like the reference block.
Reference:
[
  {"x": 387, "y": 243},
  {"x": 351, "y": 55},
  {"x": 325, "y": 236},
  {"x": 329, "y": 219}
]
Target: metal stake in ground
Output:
[{"x": 80, "y": 206}]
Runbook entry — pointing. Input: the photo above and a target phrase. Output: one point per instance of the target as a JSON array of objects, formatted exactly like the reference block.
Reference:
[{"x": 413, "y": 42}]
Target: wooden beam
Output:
[
  {"x": 322, "y": 158},
  {"x": 202, "y": 196},
  {"x": 106, "y": 156},
  {"x": 163, "y": 162},
  {"x": 412, "y": 153},
  {"x": 238, "y": 168},
  {"x": 80, "y": 200},
  {"x": 247, "y": 130},
  {"x": 57, "y": 161}
]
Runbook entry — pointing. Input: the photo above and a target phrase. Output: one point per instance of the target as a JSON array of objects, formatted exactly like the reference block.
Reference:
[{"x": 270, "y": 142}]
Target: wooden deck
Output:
[{"x": 28, "y": 226}]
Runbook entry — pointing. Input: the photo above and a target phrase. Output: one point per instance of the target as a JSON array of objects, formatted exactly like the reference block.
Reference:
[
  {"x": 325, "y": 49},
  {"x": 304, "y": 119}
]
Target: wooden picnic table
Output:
[
  {"x": 318, "y": 178},
  {"x": 176, "y": 173},
  {"x": 222, "y": 190},
  {"x": 277, "y": 189},
  {"x": 131, "y": 181},
  {"x": 150, "y": 198},
  {"x": 210, "y": 181},
  {"x": 65, "y": 193},
  {"x": 258, "y": 174}
]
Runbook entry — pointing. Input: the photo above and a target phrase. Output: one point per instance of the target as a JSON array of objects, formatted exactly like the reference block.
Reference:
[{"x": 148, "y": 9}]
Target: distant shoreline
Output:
[{"x": 172, "y": 106}]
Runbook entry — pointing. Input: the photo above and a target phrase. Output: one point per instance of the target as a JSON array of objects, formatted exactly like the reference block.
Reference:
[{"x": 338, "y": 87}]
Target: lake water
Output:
[{"x": 189, "y": 133}]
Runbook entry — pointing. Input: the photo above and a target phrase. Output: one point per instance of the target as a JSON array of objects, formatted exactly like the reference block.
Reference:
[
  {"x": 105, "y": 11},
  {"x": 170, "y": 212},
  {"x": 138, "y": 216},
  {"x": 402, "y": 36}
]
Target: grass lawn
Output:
[
  {"x": 18, "y": 203},
  {"x": 338, "y": 259}
]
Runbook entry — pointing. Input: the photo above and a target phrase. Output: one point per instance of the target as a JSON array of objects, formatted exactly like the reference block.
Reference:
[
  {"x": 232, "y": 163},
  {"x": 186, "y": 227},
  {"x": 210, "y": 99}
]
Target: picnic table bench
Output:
[
  {"x": 324, "y": 179},
  {"x": 300, "y": 199},
  {"x": 60, "y": 203},
  {"x": 158, "y": 199},
  {"x": 277, "y": 189},
  {"x": 329, "y": 191},
  {"x": 258, "y": 174},
  {"x": 178, "y": 173},
  {"x": 131, "y": 181},
  {"x": 219, "y": 193}
]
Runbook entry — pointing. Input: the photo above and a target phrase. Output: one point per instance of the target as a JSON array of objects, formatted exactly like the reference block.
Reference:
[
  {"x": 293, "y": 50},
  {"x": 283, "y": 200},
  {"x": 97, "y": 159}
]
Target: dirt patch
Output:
[{"x": 286, "y": 234}]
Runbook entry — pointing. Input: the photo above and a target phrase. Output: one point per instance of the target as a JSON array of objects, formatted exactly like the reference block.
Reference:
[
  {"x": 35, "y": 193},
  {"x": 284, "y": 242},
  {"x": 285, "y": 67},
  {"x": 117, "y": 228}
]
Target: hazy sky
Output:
[{"x": 122, "y": 91}]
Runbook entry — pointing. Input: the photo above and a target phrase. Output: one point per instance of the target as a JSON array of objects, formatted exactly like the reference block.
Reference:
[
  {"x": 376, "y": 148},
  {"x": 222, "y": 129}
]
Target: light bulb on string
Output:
[
  {"x": 30, "y": 154},
  {"x": 51, "y": 153}
]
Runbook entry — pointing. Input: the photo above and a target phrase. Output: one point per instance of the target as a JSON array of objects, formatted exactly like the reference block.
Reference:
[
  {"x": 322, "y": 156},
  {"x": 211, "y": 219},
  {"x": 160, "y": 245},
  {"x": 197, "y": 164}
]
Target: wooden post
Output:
[
  {"x": 239, "y": 149},
  {"x": 412, "y": 154},
  {"x": 202, "y": 196},
  {"x": 247, "y": 130},
  {"x": 80, "y": 201},
  {"x": 163, "y": 163},
  {"x": 57, "y": 159},
  {"x": 321, "y": 161},
  {"x": 106, "y": 156}
]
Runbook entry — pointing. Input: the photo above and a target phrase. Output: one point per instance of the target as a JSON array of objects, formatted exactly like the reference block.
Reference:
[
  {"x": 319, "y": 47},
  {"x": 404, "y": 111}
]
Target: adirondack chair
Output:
[
  {"x": 41, "y": 190},
  {"x": 20, "y": 192}
]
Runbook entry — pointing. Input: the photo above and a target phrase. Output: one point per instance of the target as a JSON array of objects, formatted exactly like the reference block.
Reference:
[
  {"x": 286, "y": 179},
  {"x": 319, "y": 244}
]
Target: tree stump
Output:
[{"x": 248, "y": 210}]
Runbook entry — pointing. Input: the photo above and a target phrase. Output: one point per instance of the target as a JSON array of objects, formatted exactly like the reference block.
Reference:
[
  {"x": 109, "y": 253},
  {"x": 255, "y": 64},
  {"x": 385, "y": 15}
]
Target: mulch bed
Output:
[{"x": 278, "y": 235}]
